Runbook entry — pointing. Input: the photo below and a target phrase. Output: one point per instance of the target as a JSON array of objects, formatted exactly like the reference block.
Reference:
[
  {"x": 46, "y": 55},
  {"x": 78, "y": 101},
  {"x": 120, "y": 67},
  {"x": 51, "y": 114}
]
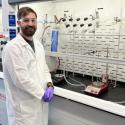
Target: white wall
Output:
[{"x": 0, "y": 19}]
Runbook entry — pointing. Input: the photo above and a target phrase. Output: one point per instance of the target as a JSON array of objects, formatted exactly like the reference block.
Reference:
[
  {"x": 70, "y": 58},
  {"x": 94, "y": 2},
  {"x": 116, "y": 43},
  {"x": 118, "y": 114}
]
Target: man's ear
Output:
[
  {"x": 18, "y": 22},
  {"x": 18, "y": 29}
]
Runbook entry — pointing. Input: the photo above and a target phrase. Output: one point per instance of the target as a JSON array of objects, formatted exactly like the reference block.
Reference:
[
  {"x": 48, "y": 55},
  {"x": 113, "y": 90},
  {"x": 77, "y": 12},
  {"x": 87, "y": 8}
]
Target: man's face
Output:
[{"x": 28, "y": 24}]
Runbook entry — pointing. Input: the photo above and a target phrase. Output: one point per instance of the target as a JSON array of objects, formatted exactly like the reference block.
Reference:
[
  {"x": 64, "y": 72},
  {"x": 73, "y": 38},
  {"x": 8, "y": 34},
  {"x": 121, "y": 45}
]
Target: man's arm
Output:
[{"x": 18, "y": 71}]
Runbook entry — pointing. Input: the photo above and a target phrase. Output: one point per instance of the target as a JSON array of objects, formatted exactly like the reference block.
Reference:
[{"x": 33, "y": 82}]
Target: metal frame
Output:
[
  {"x": 24, "y": 1},
  {"x": 0, "y": 2}
]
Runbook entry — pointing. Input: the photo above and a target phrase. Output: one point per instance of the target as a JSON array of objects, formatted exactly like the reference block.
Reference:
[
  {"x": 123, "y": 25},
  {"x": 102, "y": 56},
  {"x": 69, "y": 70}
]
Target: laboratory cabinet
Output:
[{"x": 65, "y": 111}]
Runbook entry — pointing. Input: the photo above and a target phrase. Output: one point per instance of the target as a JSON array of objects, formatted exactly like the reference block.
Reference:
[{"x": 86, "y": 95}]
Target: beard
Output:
[{"x": 28, "y": 31}]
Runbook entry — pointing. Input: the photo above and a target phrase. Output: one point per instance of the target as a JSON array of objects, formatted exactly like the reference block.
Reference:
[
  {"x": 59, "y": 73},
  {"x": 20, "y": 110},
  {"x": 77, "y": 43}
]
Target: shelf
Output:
[{"x": 88, "y": 58}]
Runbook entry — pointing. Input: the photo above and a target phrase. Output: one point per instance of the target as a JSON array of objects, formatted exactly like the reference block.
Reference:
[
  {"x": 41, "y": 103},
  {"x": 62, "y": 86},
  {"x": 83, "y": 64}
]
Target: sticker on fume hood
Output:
[
  {"x": 54, "y": 40},
  {"x": 12, "y": 33},
  {"x": 12, "y": 20}
]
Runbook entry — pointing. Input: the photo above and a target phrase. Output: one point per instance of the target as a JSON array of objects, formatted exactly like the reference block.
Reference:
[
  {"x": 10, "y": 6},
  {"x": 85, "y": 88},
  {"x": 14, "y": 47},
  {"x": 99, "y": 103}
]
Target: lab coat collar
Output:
[
  {"x": 22, "y": 40},
  {"x": 24, "y": 43}
]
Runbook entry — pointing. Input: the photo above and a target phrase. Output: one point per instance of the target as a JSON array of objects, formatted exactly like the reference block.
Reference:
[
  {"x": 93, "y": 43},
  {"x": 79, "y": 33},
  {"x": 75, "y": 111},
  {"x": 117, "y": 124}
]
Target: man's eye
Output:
[
  {"x": 26, "y": 20},
  {"x": 33, "y": 20},
  {"x": 29, "y": 20}
]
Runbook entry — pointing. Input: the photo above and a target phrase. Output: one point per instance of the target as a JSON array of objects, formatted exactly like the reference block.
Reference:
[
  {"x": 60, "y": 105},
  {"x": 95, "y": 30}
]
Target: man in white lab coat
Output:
[{"x": 27, "y": 79}]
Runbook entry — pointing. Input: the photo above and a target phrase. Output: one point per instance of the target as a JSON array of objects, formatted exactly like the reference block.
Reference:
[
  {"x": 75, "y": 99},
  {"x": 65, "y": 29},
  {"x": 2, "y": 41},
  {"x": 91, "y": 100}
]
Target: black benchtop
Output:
[{"x": 114, "y": 94}]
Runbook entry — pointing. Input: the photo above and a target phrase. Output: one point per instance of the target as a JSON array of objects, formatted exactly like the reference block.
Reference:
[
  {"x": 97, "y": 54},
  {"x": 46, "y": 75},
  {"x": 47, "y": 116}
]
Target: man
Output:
[{"x": 27, "y": 79}]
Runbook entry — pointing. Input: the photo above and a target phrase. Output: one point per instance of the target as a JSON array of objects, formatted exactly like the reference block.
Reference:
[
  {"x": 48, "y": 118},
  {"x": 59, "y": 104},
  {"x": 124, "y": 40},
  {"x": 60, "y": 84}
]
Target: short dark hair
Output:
[{"x": 22, "y": 12}]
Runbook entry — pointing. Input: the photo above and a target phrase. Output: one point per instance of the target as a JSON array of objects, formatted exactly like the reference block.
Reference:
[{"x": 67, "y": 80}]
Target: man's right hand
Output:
[{"x": 48, "y": 95}]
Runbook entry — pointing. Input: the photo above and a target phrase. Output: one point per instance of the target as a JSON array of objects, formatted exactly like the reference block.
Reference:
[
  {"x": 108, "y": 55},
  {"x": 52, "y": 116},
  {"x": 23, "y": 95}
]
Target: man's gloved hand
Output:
[
  {"x": 48, "y": 95},
  {"x": 50, "y": 84}
]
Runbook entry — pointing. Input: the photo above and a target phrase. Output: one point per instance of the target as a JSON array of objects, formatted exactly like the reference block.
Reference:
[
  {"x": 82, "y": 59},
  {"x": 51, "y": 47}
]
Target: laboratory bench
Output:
[
  {"x": 71, "y": 105},
  {"x": 63, "y": 111},
  {"x": 114, "y": 93}
]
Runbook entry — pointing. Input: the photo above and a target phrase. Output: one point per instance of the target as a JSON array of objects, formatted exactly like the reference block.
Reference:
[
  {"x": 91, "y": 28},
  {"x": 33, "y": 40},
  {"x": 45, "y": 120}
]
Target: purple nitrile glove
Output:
[{"x": 48, "y": 95}]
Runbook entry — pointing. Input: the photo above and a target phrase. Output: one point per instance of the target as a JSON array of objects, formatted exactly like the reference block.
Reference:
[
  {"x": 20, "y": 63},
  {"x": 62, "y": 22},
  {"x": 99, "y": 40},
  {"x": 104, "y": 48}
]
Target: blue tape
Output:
[{"x": 54, "y": 40}]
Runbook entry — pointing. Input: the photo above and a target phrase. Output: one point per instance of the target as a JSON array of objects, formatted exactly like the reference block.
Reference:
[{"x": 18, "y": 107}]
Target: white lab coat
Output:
[{"x": 25, "y": 76}]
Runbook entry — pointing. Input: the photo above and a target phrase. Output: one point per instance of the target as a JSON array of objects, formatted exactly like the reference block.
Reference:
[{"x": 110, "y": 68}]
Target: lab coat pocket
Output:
[
  {"x": 32, "y": 113},
  {"x": 30, "y": 107}
]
